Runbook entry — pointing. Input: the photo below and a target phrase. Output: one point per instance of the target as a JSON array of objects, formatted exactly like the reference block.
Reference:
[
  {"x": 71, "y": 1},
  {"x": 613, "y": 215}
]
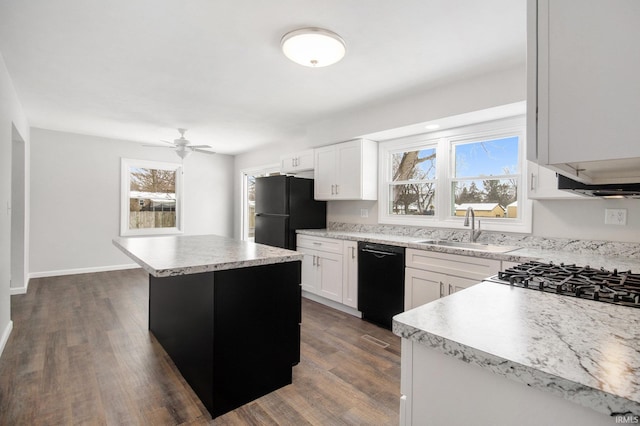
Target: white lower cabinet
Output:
[
  {"x": 322, "y": 273},
  {"x": 431, "y": 275},
  {"x": 350, "y": 274},
  {"x": 439, "y": 389},
  {"x": 330, "y": 269}
]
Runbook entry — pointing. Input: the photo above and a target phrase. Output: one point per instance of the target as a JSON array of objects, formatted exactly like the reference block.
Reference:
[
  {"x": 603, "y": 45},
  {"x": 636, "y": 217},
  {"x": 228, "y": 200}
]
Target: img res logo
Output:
[{"x": 629, "y": 419}]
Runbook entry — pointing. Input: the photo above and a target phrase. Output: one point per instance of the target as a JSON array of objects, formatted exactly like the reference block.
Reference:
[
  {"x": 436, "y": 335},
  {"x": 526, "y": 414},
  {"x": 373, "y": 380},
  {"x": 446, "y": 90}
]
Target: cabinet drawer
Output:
[
  {"x": 319, "y": 243},
  {"x": 452, "y": 264}
]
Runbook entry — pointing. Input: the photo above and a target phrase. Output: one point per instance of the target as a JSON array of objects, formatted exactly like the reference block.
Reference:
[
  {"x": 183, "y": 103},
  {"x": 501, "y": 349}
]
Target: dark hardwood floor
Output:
[{"x": 80, "y": 353}]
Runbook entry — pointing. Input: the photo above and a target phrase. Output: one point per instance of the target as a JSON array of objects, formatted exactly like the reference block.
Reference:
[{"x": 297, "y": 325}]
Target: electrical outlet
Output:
[
  {"x": 364, "y": 212},
  {"x": 615, "y": 216}
]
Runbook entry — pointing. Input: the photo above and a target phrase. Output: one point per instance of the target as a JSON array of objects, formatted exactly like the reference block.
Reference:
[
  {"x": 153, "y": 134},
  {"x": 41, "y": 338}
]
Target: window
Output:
[
  {"x": 486, "y": 177},
  {"x": 413, "y": 182},
  {"x": 248, "y": 207},
  {"x": 150, "y": 198},
  {"x": 432, "y": 179}
]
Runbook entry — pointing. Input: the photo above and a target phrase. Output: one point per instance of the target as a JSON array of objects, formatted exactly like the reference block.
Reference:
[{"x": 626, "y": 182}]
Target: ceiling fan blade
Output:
[
  {"x": 158, "y": 146},
  {"x": 204, "y": 151},
  {"x": 170, "y": 143},
  {"x": 199, "y": 146}
]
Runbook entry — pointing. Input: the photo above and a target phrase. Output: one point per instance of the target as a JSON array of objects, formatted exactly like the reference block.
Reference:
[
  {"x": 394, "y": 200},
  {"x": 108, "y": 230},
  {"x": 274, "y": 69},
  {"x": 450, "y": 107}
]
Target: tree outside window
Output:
[
  {"x": 151, "y": 197},
  {"x": 485, "y": 177},
  {"x": 412, "y": 190}
]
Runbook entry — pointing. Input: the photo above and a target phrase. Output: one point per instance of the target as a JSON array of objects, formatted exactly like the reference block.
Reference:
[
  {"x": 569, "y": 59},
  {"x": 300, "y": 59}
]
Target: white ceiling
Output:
[{"x": 138, "y": 69}]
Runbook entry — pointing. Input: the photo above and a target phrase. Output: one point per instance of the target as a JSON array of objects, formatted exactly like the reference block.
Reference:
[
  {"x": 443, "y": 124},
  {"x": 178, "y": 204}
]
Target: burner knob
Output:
[{"x": 596, "y": 295}]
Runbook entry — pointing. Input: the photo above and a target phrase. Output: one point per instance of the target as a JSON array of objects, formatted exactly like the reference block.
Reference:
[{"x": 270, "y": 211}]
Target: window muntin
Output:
[
  {"x": 151, "y": 198},
  {"x": 413, "y": 180},
  {"x": 486, "y": 177},
  {"x": 503, "y": 176}
]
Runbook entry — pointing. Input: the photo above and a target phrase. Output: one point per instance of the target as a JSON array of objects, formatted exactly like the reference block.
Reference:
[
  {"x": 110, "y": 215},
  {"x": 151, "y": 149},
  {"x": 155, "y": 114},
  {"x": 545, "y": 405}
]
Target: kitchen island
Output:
[
  {"x": 226, "y": 311},
  {"x": 501, "y": 355}
]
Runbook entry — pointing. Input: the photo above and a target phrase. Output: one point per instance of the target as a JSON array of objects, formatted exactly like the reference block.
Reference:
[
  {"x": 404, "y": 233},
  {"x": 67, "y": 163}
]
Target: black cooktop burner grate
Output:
[{"x": 621, "y": 288}]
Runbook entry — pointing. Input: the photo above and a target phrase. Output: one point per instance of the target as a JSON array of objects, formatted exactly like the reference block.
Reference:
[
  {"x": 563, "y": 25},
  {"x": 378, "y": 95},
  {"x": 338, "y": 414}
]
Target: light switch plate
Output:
[
  {"x": 364, "y": 212},
  {"x": 615, "y": 216}
]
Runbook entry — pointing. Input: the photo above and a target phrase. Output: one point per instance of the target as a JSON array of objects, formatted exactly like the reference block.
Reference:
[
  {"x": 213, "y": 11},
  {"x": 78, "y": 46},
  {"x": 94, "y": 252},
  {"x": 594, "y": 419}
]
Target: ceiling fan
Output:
[{"x": 182, "y": 146}]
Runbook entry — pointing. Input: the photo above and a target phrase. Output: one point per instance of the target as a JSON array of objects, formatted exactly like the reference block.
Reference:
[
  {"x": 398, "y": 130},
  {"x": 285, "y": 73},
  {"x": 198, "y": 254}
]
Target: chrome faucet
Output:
[{"x": 473, "y": 234}]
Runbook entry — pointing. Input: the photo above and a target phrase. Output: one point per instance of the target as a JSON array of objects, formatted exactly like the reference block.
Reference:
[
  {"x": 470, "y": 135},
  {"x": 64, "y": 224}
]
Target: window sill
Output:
[{"x": 158, "y": 232}]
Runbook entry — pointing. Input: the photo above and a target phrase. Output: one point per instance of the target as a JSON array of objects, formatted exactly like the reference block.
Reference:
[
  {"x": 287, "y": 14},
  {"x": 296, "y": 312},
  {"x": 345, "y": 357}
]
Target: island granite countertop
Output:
[
  {"x": 584, "y": 351},
  {"x": 166, "y": 256}
]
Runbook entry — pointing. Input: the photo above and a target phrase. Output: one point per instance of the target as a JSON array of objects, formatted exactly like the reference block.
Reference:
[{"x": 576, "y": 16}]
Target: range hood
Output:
[{"x": 609, "y": 190}]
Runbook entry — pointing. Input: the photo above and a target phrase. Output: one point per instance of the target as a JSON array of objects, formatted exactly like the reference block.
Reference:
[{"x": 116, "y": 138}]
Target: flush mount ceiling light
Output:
[{"x": 313, "y": 47}]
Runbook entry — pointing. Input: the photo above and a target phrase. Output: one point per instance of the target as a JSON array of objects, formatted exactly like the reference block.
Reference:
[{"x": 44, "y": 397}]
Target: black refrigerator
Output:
[{"x": 284, "y": 204}]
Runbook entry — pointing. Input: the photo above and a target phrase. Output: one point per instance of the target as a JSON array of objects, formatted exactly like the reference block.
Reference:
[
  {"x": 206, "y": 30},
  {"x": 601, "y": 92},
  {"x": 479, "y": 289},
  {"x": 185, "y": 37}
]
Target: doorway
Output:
[
  {"x": 18, "y": 214},
  {"x": 248, "y": 197}
]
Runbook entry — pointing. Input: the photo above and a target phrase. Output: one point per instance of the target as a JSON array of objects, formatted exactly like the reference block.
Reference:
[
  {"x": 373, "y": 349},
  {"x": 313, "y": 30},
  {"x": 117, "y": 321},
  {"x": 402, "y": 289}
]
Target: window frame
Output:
[
  {"x": 445, "y": 168},
  {"x": 125, "y": 190}
]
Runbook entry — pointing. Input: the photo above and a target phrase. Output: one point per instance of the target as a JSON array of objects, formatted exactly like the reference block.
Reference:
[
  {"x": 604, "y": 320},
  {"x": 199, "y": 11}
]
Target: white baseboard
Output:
[
  {"x": 5, "y": 336},
  {"x": 60, "y": 272},
  {"x": 330, "y": 303},
  {"x": 19, "y": 290}
]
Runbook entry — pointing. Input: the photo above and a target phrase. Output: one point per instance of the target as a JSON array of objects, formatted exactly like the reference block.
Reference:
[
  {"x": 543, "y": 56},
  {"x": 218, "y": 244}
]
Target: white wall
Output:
[
  {"x": 579, "y": 219},
  {"x": 583, "y": 219},
  {"x": 470, "y": 95},
  {"x": 11, "y": 114},
  {"x": 75, "y": 199}
]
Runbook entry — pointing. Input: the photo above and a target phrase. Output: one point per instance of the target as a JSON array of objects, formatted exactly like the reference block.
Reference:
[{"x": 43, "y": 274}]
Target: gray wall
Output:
[
  {"x": 11, "y": 114},
  {"x": 75, "y": 199}
]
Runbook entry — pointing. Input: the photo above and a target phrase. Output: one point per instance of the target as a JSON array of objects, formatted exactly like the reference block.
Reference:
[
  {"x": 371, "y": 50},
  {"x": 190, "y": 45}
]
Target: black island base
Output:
[{"x": 233, "y": 334}]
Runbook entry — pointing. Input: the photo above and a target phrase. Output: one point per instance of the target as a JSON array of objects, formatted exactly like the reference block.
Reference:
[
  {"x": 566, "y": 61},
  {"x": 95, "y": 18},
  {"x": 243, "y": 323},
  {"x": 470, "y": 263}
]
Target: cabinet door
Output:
[
  {"x": 349, "y": 171},
  {"x": 456, "y": 284},
  {"x": 330, "y": 278},
  {"x": 287, "y": 164},
  {"x": 588, "y": 91},
  {"x": 543, "y": 185},
  {"x": 304, "y": 160},
  {"x": 298, "y": 162},
  {"x": 350, "y": 276},
  {"x": 422, "y": 287},
  {"x": 324, "y": 173},
  {"x": 309, "y": 276}
]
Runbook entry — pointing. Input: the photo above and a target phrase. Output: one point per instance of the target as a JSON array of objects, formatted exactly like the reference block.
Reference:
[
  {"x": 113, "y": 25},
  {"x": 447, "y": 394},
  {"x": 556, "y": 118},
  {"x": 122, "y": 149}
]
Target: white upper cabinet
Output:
[
  {"x": 347, "y": 171},
  {"x": 583, "y": 68},
  {"x": 542, "y": 184},
  {"x": 299, "y": 162}
]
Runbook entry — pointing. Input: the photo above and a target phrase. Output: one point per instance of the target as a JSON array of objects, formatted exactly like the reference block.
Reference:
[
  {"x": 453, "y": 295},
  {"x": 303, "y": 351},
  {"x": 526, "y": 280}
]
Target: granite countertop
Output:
[
  {"x": 190, "y": 254},
  {"x": 524, "y": 254},
  {"x": 581, "y": 350}
]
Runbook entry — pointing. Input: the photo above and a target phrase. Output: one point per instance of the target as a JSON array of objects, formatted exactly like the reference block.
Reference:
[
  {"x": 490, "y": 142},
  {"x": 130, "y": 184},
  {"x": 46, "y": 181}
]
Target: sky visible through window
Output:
[{"x": 487, "y": 158}]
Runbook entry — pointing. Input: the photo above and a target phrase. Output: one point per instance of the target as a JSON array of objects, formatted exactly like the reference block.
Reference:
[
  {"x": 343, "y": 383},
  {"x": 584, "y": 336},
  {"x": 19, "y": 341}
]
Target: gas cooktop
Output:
[{"x": 620, "y": 288}]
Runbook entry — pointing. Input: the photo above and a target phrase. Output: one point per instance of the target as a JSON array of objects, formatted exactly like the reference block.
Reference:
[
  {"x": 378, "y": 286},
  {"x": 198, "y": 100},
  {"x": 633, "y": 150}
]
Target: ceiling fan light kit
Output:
[
  {"x": 313, "y": 47},
  {"x": 182, "y": 146}
]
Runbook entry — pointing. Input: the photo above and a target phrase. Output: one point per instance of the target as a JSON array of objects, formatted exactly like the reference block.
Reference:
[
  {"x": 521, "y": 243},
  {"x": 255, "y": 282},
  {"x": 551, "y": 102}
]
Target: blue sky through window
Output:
[{"x": 486, "y": 158}]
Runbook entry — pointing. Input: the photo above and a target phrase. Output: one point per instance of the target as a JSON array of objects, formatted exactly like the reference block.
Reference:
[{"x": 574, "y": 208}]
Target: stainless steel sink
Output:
[{"x": 469, "y": 246}]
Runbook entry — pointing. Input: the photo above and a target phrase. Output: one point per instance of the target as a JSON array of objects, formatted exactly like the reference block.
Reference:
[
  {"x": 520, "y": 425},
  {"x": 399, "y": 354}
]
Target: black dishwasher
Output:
[{"x": 380, "y": 282}]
